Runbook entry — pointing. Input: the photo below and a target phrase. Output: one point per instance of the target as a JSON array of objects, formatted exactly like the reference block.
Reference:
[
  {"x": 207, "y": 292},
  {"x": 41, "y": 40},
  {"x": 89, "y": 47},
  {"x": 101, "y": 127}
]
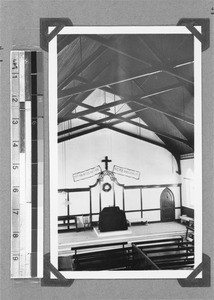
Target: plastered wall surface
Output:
[
  {"x": 155, "y": 164},
  {"x": 20, "y": 29}
]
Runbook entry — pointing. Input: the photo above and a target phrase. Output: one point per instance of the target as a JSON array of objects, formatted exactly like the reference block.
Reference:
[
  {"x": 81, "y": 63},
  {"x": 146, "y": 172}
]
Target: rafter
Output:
[
  {"x": 90, "y": 60},
  {"x": 124, "y": 100},
  {"x": 176, "y": 122},
  {"x": 91, "y": 109},
  {"x": 142, "y": 101},
  {"x": 120, "y": 117},
  {"x": 162, "y": 137},
  {"x": 165, "y": 111},
  {"x": 154, "y": 100},
  {"x": 111, "y": 127},
  {"x": 157, "y": 132},
  {"x": 103, "y": 126},
  {"x": 167, "y": 67},
  {"x": 146, "y": 103},
  {"x": 77, "y": 99},
  {"x": 92, "y": 122},
  {"x": 74, "y": 100},
  {"x": 189, "y": 137},
  {"x": 120, "y": 50},
  {"x": 65, "y": 40},
  {"x": 69, "y": 137},
  {"x": 156, "y": 107},
  {"x": 116, "y": 79}
]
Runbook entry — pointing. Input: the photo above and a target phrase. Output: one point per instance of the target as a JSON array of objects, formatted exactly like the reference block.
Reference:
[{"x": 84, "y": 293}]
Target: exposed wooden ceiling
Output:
[{"x": 138, "y": 85}]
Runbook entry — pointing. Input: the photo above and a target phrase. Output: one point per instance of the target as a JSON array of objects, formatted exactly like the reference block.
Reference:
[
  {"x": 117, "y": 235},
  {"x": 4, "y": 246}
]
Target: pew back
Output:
[{"x": 163, "y": 254}]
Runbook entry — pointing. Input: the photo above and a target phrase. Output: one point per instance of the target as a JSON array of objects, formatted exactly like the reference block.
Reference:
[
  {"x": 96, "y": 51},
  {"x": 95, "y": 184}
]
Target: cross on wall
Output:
[{"x": 106, "y": 161}]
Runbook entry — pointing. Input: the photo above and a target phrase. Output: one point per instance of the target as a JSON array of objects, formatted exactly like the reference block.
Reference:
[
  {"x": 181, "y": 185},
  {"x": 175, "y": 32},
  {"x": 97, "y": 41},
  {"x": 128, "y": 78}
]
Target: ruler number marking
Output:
[
  {"x": 15, "y": 99},
  {"x": 15, "y": 121},
  {"x": 15, "y": 64},
  {"x": 15, "y": 235}
]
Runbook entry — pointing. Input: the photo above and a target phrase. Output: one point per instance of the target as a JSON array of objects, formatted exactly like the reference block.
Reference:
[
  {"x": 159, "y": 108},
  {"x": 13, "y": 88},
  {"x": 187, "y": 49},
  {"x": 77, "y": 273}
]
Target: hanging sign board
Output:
[
  {"x": 86, "y": 174},
  {"x": 126, "y": 172}
]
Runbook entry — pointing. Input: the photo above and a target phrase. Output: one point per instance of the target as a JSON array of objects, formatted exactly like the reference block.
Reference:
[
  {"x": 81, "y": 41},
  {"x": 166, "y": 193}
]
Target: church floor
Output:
[{"x": 138, "y": 233}]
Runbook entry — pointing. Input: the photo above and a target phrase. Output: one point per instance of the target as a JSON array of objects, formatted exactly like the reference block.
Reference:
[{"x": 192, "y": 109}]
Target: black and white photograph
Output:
[{"x": 125, "y": 152}]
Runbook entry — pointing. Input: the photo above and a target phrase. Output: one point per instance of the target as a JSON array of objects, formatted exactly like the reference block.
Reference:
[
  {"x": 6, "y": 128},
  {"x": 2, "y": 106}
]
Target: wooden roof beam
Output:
[
  {"x": 116, "y": 79},
  {"x": 76, "y": 99},
  {"x": 91, "y": 109},
  {"x": 103, "y": 126},
  {"x": 72, "y": 102},
  {"x": 85, "y": 64},
  {"x": 93, "y": 122},
  {"x": 144, "y": 102},
  {"x": 65, "y": 40},
  {"x": 172, "y": 151},
  {"x": 164, "y": 111},
  {"x": 141, "y": 101},
  {"x": 167, "y": 67},
  {"x": 127, "y": 120},
  {"x": 183, "y": 132},
  {"x": 144, "y": 139},
  {"x": 120, "y": 50},
  {"x": 158, "y": 132},
  {"x": 69, "y": 137}
]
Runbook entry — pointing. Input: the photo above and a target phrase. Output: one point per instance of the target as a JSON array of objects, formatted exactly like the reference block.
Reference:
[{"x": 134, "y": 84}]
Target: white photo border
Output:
[{"x": 53, "y": 151}]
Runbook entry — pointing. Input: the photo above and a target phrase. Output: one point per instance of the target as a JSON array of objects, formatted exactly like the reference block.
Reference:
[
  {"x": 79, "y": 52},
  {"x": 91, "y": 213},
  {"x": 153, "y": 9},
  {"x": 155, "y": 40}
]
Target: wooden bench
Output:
[
  {"x": 174, "y": 253},
  {"x": 178, "y": 239},
  {"x": 111, "y": 256},
  {"x": 140, "y": 261},
  {"x": 159, "y": 254}
]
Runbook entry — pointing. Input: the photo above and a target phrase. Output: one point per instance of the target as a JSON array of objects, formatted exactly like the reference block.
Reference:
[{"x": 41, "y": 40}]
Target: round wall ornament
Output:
[{"x": 107, "y": 187}]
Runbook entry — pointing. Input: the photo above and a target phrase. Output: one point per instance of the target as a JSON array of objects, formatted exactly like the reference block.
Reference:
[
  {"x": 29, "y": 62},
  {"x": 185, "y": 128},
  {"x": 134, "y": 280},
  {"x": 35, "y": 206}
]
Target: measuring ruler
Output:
[{"x": 27, "y": 164}]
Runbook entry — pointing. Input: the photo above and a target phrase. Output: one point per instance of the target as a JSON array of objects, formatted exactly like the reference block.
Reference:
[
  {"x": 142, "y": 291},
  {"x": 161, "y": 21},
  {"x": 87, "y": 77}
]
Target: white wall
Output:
[
  {"x": 187, "y": 171},
  {"x": 155, "y": 164}
]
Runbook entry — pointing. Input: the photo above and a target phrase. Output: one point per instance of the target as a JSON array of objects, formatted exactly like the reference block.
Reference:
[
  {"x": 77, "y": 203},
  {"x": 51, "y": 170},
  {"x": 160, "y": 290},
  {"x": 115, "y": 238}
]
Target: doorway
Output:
[{"x": 167, "y": 205}]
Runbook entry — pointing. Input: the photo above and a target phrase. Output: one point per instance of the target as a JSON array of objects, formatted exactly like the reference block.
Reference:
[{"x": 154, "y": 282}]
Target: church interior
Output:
[{"x": 125, "y": 152}]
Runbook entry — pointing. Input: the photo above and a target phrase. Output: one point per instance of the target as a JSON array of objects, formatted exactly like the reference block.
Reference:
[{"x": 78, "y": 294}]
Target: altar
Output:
[{"x": 112, "y": 219}]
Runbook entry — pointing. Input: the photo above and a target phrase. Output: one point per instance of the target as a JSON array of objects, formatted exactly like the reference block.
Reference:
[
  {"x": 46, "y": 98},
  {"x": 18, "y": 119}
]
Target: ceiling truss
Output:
[{"x": 123, "y": 69}]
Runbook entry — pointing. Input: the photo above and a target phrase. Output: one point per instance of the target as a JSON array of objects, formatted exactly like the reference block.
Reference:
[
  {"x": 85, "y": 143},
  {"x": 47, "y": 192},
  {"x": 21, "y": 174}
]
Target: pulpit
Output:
[{"x": 112, "y": 219}]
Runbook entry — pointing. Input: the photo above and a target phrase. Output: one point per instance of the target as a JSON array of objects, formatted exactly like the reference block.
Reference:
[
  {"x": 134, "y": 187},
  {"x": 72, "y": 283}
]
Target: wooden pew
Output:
[
  {"x": 160, "y": 254},
  {"x": 111, "y": 256},
  {"x": 140, "y": 261},
  {"x": 164, "y": 240},
  {"x": 164, "y": 254}
]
